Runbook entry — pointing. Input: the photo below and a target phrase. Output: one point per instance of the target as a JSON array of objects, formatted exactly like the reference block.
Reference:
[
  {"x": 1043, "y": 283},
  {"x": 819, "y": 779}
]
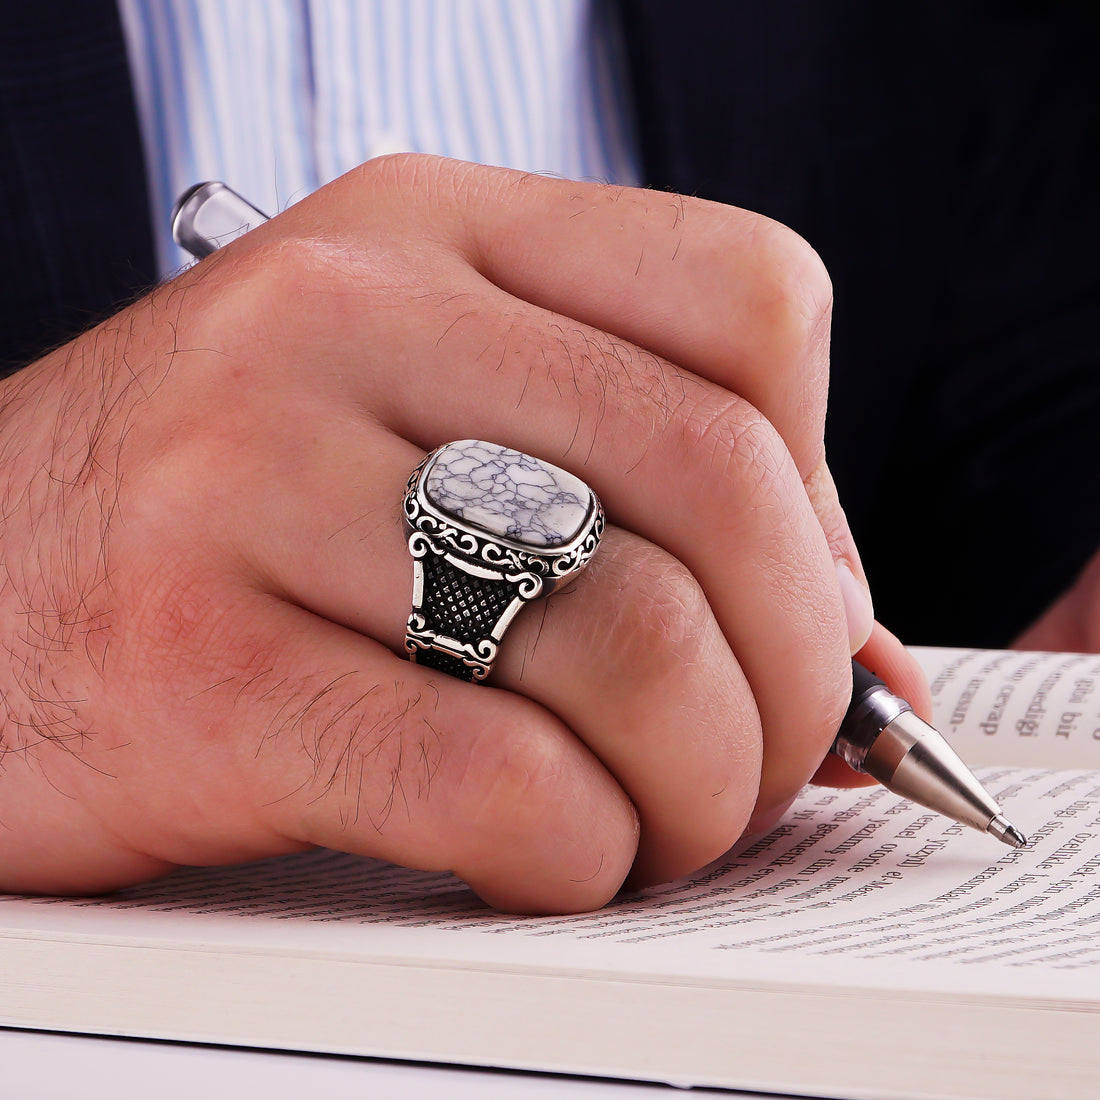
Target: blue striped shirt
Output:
[{"x": 276, "y": 97}]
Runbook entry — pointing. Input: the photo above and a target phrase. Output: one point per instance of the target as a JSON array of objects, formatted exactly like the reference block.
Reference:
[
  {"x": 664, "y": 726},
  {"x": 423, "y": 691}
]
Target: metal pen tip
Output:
[{"x": 1006, "y": 833}]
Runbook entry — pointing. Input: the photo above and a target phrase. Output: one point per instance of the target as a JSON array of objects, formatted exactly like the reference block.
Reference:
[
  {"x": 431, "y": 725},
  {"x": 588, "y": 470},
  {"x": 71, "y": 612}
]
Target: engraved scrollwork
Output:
[
  {"x": 528, "y": 585},
  {"x": 462, "y": 541},
  {"x": 432, "y": 534},
  {"x": 559, "y": 567},
  {"x": 477, "y": 656},
  {"x": 495, "y": 554},
  {"x": 419, "y": 544},
  {"x": 514, "y": 561}
]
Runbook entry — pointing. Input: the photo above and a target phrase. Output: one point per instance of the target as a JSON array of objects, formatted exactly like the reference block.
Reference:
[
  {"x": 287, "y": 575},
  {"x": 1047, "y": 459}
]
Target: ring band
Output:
[{"x": 489, "y": 530}]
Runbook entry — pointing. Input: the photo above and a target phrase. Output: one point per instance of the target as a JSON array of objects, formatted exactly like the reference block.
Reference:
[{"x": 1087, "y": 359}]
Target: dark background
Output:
[{"x": 944, "y": 160}]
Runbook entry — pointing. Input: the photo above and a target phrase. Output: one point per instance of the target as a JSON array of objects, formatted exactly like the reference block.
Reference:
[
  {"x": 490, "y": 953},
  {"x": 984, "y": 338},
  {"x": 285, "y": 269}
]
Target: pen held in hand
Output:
[{"x": 880, "y": 735}]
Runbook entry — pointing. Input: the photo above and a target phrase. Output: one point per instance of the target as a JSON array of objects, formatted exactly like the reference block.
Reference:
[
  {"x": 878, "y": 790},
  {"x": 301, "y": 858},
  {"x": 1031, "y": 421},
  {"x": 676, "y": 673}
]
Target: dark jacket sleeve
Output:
[
  {"x": 943, "y": 158},
  {"x": 75, "y": 240}
]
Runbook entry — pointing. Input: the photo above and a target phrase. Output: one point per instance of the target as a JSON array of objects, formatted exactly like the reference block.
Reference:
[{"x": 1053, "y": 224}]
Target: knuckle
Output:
[
  {"x": 526, "y": 776},
  {"x": 404, "y": 174},
  {"x": 312, "y": 286},
  {"x": 430, "y": 193},
  {"x": 789, "y": 306},
  {"x": 521, "y": 780},
  {"x": 792, "y": 282},
  {"x": 720, "y": 427},
  {"x": 515, "y": 779},
  {"x": 254, "y": 298},
  {"x": 777, "y": 271},
  {"x": 739, "y": 457},
  {"x": 659, "y": 613}
]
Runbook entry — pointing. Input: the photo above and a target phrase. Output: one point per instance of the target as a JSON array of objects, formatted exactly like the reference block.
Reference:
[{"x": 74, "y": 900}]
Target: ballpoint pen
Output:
[{"x": 880, "y": 735}]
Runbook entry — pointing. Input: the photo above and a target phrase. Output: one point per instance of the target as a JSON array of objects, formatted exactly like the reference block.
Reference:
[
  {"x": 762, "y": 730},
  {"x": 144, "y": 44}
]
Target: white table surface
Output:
[{"x": 38, "y": 1065}]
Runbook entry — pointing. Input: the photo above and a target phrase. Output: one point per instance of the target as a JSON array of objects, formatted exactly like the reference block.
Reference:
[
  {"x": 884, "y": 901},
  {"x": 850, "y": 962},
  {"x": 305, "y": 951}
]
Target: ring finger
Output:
[{"x": 630, "y": 656}]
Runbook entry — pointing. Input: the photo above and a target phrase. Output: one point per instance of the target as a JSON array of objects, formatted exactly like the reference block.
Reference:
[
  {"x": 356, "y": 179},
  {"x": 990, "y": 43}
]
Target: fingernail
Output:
[{"x": 858, "y": 609}]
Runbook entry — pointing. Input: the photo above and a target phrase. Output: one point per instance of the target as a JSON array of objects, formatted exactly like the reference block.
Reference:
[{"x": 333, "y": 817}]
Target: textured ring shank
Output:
[
  {"x": 461, "y": 606},
  {"x": 444, "y": 662}
]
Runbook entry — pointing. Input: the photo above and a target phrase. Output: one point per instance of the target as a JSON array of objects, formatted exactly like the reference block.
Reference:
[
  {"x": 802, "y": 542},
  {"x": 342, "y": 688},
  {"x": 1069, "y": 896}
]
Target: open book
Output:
[{"x": 865, "y": 948}]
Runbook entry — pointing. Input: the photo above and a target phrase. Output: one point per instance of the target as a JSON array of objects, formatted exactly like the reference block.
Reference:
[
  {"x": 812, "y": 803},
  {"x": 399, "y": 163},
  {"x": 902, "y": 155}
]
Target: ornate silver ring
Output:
[{"x": 490, "y": 529}]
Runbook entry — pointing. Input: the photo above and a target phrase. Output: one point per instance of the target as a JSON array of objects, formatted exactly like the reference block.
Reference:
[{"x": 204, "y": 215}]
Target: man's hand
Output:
[{"x": 205, "y": 575}]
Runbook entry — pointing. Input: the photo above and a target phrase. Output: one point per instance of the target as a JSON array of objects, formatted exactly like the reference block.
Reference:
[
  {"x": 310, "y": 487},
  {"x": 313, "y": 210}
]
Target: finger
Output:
[
  {"x": 630, "y": 657},
  {"x": 724, "y": 293},
  {"x": 1063, "y": 627},
  {"x": 281, "y": 730},
  {"x": 690, "y": 468},
  {"x": 887, "y": 658},
  {"x": 392, "y": 760},
  {"x": 1071, "y": 623}
]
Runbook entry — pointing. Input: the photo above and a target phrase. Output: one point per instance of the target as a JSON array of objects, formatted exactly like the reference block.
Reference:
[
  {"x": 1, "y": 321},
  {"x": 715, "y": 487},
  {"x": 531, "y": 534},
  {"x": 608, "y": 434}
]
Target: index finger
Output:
[
  {"x": 727, "y": 294},
  {"x": 724, "y": 293}
]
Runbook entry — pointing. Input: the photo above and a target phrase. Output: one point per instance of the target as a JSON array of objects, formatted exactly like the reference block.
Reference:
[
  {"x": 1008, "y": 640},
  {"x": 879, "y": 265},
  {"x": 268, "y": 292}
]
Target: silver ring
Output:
[{"x": 489, "y": 530}]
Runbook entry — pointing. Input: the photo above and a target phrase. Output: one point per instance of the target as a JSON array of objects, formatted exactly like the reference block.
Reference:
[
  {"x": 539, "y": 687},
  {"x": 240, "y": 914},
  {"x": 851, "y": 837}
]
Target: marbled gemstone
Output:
[{"x": 507, "y": 493}]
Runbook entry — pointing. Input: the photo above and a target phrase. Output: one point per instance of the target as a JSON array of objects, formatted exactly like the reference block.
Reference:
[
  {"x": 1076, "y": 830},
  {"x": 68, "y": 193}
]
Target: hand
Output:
[
  {"x": 1072, "y": 623},
  {"x": 207, "y": 580}
]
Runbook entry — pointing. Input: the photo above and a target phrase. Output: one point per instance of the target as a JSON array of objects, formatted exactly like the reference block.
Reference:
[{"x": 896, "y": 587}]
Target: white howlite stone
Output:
[{"x": 507, "y": 493}]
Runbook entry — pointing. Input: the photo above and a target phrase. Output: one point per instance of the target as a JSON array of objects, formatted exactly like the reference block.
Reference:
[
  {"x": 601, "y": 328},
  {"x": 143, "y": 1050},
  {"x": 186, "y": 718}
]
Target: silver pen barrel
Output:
[{"x": 881, "y": 736}]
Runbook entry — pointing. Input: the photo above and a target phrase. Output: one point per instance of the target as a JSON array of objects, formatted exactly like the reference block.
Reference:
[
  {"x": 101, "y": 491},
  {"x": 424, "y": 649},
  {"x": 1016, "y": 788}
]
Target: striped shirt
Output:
[{"x": 276, "y": 97}]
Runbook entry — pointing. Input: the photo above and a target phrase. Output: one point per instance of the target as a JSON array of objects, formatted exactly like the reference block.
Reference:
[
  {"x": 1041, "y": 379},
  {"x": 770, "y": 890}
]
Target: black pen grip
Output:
[
  {"x": 863, "y": 682},
  {"x": 872, "y": 708}
]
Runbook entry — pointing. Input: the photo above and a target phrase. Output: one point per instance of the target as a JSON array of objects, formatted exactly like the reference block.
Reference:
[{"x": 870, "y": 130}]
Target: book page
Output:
[
  {"x": 1009, "y": 707},
  {"x": 855, "y": 886},
  {"x": 849, "y": 875}
]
